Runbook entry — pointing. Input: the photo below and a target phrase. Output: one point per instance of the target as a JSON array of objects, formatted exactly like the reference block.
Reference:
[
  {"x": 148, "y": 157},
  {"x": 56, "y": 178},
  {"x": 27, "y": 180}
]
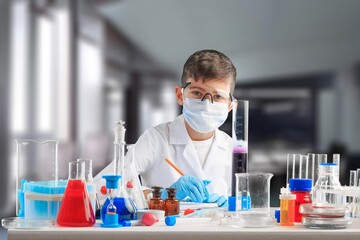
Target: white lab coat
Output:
[{"x": 171, "y": 140}]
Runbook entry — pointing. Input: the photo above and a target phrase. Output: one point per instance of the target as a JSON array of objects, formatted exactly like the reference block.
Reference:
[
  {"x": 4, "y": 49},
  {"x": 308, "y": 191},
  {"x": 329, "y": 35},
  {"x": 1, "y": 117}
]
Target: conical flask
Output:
[
  {"x": 76, "y": 209},
  {"x": 125, "y": 206}
]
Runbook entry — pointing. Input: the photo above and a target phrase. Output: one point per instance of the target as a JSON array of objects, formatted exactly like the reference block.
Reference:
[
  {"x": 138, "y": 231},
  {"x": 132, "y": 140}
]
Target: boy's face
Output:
[{"x": 214, "y": 90}]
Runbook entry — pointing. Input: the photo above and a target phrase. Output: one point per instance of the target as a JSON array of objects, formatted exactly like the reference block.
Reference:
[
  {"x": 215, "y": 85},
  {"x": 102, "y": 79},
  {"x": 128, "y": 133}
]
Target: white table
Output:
[{"x": 199, "y": 231}]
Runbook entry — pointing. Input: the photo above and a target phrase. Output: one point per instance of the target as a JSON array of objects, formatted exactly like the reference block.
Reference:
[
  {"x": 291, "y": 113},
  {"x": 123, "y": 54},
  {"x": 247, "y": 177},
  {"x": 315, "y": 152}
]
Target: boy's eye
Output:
[
  {"x": 196, "y": 93},
  {"x": 218, "y": 97}
]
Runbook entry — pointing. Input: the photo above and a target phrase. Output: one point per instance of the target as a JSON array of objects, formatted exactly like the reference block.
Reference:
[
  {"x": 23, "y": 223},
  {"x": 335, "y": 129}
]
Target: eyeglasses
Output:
[{"x": 202, "y": 92}]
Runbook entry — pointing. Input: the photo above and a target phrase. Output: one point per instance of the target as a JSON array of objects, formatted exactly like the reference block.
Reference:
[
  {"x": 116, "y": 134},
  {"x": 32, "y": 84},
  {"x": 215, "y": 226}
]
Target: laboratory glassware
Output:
[
  {"x": 325, "y": 217},
  {"x": 253, "y": 191},
  {"x": 111, "y": 219},
  {"x": 125, "y": 206},
  {"x": 240, "y": 125},
  {"x": 287, "y": 207},
  {"x": 36, "y": 161},
  {"x": 301, "y": 188},
  {"x": 76, "y": 209},
  {"x": 171, "y": 204},
  {"x": 90, "y": 183},
  {"x": 131, "y": 179},
  {"x": 156, "y": 202},
  {"x": 328, "y": 180}
]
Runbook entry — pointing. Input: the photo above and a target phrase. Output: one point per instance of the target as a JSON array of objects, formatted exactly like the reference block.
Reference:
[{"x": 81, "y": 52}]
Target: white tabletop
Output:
[{"x": 198, "y": 231}]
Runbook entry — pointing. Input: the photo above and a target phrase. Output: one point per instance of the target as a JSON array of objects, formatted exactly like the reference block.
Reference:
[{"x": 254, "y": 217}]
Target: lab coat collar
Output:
[{"x": 178, "y": 132}]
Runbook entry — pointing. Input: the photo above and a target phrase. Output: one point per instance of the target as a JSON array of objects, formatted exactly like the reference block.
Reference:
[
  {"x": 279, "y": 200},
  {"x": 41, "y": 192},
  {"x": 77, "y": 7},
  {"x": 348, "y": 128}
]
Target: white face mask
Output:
[{"x": 204, "y": 116}]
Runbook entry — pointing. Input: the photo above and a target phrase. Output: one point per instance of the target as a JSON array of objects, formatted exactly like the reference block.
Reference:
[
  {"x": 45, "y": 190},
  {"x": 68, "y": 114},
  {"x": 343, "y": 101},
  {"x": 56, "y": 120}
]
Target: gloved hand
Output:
[
  {"x": 188, "y": 186},
  {"x": 220, "y": 200}
]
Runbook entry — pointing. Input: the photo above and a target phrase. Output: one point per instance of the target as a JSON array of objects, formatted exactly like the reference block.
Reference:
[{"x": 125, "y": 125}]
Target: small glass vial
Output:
[
  {"x": 156, "y": 202},
  {"x": 287, "y": 208},
  {"x": 171, "y": 204},
  {"x": 301, "y": 187}
]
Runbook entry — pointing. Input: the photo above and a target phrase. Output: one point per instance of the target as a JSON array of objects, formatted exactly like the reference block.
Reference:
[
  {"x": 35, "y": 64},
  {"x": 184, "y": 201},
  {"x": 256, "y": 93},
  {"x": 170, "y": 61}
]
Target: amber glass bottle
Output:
[
  {"x": 172, "y": 204},
  {"x": 156, "y": 202}
]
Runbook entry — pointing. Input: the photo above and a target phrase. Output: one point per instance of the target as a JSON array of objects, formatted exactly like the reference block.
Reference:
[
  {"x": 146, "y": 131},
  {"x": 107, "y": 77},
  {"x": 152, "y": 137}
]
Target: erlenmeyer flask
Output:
[
  {"x": 125, "y": 206},
  {"x": 131, "y": 179},
  {"x": 76, "y": 209}
]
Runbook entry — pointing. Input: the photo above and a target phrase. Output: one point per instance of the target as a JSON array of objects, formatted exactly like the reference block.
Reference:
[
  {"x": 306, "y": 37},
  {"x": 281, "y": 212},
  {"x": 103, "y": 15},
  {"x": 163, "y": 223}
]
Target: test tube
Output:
[
  {"x": 357, "y": 182},
  {"x": 292, "y": 162},
  {"x": 353, "y": 177},
  {"x": 322, "y": 158},
  {"x": 336, "y": 159},
  {"x": 313, "y": 167},
  {"x": 304, "y": 166}
]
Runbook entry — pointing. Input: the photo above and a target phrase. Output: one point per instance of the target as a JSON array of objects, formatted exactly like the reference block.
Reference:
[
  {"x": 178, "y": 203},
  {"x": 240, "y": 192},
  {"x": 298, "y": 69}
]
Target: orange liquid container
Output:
[
  {"x": 171, "y": 204},
  {"x": 287, "y": 209},
  {"x": 76, "y": 209}
]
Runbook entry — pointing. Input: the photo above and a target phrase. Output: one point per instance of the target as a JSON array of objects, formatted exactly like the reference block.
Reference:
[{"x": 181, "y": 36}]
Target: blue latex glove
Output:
[
  {"x": 188, "y": 186},
  {"x": 220, "y": 200}
]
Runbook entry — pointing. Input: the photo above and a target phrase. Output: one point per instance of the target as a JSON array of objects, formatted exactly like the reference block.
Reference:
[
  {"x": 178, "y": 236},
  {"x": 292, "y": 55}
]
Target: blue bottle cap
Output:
[
  {"x": 328, "y": 164},
  {"x": 231, "y": 203},
  {"x": 170, "y": 220},
  {"x": 300, "y": 184},
  {"x": 111, "y": 221},
  {"x": 112, "y": 181},
  {"x": 277, "y": 215},
  {"x": 126, "y": 223}
]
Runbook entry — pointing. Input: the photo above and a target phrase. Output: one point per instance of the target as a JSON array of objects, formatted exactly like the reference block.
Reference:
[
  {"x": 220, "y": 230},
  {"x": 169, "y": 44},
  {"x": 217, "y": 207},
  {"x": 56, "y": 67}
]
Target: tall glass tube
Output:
[{"x": 240, "y": 125}]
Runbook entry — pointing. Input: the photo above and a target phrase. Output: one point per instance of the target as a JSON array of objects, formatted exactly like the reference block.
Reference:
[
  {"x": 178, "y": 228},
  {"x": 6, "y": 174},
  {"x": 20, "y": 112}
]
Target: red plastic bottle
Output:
[{"x": 301, "y": 187}]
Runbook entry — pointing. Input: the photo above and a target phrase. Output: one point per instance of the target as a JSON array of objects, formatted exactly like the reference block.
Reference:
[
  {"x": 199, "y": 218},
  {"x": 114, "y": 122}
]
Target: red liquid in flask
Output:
[{"x": 76, "y": 209}]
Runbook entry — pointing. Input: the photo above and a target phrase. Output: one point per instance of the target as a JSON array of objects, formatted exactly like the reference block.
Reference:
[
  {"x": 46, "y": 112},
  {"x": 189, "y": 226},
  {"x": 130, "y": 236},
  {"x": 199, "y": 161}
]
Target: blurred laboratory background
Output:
[{"x": 70, "y": 68}]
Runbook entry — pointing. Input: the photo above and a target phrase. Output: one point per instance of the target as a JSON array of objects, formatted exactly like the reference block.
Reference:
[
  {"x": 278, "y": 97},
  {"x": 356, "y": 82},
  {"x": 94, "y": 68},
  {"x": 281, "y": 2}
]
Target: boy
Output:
[{"x": 192, "y": 141}]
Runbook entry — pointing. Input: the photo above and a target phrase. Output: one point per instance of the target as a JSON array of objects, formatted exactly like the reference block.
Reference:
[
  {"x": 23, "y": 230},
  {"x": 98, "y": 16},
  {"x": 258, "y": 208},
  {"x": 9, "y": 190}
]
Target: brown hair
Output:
[{"x": 209, "y": 64}]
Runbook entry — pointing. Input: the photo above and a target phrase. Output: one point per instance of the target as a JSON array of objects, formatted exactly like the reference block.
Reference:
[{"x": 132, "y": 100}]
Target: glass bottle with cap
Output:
[
  {"x": 301, "y": 188},
  {"x": 327, "y": 189},
  {"x": 156, "y": 202},
  {"x": 171, "y": 204}
]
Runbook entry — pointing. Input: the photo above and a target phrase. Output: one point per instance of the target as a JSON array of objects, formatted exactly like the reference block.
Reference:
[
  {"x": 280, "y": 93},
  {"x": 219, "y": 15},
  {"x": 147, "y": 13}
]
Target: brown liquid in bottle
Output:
[
  {"x": 172, "y": 204},
  {"x": 156, "y": 202}
]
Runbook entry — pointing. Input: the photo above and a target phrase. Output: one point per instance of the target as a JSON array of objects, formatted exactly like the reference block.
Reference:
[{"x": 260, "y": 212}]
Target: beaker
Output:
[
  {"x": 76, "y": 209},
  {"x": 255, "y": 188},
  {"x": 240, "y": 125},
  {"x": 36, "y": 161},
  {"x": 253, "y": 191}
]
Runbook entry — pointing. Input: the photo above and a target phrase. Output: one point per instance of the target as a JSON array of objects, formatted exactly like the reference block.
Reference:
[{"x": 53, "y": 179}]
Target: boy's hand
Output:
[
  {"x": 220, "y": 200},
  {"x": 188, "y": 186}
]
